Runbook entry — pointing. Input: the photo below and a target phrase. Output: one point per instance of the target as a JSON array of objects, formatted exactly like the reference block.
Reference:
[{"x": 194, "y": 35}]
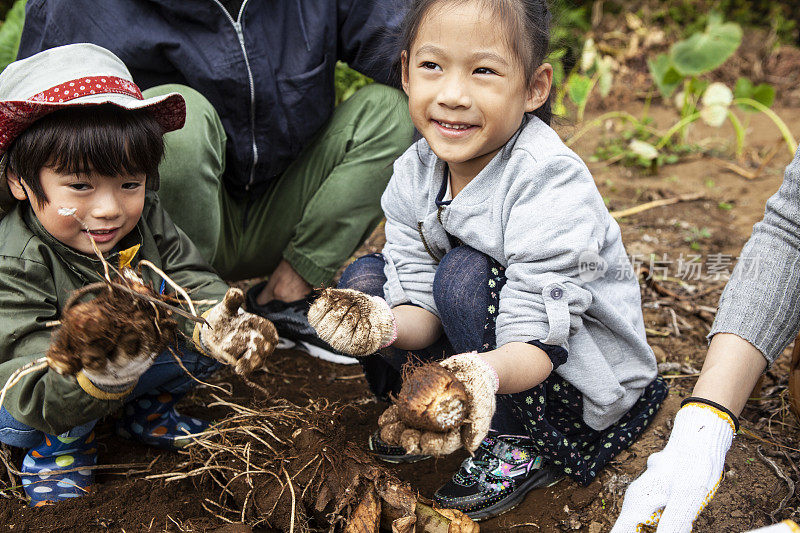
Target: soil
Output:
[{"x": 714, "y": 227}]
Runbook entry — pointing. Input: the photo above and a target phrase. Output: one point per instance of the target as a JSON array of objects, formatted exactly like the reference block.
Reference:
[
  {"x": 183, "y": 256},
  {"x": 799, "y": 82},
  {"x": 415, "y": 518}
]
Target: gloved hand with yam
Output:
[
  {"x": 237, "y": 338},
  {"x": 353, "y": 322},
  {"x": 111, "y": 339},
  {"x": 681, "y": 479},
  {"x": 442, "y": 407}
]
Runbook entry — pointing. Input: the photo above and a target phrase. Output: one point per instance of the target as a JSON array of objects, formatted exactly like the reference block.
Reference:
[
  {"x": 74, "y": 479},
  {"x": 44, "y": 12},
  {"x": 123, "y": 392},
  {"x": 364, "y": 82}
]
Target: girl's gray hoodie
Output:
[{"x": 536, "y": 210}]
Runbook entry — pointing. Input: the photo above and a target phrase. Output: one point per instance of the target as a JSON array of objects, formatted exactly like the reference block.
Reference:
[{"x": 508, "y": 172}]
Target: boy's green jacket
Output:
[{"x": 37, "y": 275}]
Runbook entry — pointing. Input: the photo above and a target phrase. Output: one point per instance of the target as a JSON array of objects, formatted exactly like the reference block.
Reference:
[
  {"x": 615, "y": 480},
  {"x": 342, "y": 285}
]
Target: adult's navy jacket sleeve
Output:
[{"x": 369, "y": 37}]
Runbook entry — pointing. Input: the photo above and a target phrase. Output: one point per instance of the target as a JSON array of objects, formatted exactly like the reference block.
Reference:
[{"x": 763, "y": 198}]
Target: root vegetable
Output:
[
  {"x": 432, "y": 398},
  {"x": 112, "y": 327}
]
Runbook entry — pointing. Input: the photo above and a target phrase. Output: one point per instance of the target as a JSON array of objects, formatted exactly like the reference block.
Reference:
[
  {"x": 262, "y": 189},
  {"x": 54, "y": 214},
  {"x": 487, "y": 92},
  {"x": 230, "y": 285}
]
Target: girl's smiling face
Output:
[{"x": 466, "y": 88}]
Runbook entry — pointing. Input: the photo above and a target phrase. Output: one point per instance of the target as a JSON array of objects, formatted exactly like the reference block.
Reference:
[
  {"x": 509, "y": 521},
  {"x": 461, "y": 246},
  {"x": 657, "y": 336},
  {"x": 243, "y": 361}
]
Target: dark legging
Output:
[{"x": 466, "y": 289}]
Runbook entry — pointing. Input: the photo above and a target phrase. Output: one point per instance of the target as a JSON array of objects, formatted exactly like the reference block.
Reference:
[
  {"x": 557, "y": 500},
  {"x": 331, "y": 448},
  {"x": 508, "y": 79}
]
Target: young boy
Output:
[{"x": 76, "y": 135}]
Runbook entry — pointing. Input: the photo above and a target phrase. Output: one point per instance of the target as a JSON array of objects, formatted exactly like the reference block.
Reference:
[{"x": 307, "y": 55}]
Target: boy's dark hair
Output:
[
  {"x": 527, "y": 31},
  {"x": 103, "y": 139}
]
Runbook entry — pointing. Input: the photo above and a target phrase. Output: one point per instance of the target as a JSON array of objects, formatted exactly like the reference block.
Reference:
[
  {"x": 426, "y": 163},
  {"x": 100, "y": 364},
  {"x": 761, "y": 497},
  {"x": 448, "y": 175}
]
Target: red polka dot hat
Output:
[{"x": 77, "y": 74}]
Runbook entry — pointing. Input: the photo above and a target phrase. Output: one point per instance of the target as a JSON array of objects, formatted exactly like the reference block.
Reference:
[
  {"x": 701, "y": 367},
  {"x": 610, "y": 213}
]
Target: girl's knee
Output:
[
  {"x": 460, "y": 278},
  {"x": 365, "y": 274}
]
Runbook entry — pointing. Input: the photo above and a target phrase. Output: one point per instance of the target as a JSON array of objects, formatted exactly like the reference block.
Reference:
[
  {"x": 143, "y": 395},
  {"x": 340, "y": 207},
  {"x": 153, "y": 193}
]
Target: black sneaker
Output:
[
  {"x": 391, "y": 453},
  {"x": 496, "y": 479},
  {"x": 291, "y": 322}
]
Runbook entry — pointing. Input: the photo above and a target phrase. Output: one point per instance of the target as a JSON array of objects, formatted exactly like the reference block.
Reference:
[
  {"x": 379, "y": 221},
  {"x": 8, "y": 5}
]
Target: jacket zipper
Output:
[
  {"x": 425, "y": 243},
  {"x": 237, "y": 25}
]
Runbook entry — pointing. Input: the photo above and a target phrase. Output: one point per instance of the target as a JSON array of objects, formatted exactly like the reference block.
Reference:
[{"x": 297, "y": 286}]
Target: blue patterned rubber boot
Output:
[
  {"x": 497, "y": 478},
  {"x": 40, "y": 472},
  {"x": 153, "y": 420}
]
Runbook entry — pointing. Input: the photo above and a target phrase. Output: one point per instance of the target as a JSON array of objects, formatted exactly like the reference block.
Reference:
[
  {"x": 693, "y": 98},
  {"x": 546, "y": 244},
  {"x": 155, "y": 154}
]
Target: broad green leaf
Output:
[
  {"x": 703, "y": 52},
  {"x": 762, "y": 93},
  {"x": 645, "y": 150},
  {"x": 10, "y": 33},
  {"x": 578, "y": 88},
  {"x": 664, "y": 75},
  {"x": 743, "y": 88}
]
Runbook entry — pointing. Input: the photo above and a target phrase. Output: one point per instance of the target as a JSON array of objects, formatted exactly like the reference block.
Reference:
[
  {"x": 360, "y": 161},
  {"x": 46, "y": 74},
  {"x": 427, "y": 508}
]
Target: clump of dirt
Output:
[{"x": 293, "y": 468}]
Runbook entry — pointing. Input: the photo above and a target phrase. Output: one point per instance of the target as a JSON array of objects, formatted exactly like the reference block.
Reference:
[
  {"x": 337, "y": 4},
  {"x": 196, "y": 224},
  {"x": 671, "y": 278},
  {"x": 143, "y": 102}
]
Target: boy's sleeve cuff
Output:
[
  {"x": 96, "y": 392},
  {"x": 198, "y": 342}
]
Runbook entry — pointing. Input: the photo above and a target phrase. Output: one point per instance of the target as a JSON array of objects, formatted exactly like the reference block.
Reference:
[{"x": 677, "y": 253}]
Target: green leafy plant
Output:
[
  {"x": 700, "y": 54},
  {"x": 10, "y": 33},
  {"x": 695, "y": 236},
  {"x": 347, "y": 81},
  {"x": 593, "y": 70},
  {"x": 713, "y": 103}
]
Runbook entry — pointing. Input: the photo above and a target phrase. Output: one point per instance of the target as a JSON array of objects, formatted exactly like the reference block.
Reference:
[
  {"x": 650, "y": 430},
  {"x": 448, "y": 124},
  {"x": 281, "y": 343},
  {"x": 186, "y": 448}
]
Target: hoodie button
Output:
[{"x": 556, "y": 293}]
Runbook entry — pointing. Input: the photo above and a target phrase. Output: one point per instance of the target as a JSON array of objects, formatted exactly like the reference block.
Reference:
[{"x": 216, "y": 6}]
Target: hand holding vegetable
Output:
[
  {"x": 353, "y": 322},
  {"x": 443, "y": 406}
]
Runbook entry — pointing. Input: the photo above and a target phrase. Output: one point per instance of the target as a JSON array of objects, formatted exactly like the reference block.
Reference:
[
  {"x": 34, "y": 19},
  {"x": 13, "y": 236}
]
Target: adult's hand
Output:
[{"x": 681, "y": 479}]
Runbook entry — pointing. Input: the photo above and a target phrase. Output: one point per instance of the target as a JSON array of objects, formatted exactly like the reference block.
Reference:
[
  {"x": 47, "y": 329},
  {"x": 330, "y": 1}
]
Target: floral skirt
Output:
[{"x": 552, "y": 412}]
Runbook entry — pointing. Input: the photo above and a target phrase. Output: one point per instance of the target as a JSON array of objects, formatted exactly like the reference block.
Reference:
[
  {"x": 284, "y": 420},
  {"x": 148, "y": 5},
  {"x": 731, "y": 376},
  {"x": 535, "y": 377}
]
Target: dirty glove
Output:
[
  {"x": 681, "y": 479},
  {"x": 120, "y": 373},
  {"x": 353, "y": 322},
  {"x": 481, "y": 384},
  {"x": 237, "y": 338}
]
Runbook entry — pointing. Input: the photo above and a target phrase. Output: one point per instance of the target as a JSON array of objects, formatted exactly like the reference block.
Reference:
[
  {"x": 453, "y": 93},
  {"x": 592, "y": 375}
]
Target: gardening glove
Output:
[
  {"x": 112, "y": 367},
  {"x": 120, "y": 373},
  {"x": 235, "y": 337},
  {"x": 681, "y": 479},
  {"x": 353, "y": 322},
  {"x": 481, "y": 384}
]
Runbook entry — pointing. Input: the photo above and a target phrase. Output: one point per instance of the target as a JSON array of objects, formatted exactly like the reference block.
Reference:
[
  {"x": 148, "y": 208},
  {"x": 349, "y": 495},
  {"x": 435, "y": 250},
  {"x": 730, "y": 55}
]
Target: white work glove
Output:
[
  {"x": 681, "y": 479},
  {"x": 481, "y": 383},
  {"x": 237, "y": 338},
  {"x": 353, "y": 322}
]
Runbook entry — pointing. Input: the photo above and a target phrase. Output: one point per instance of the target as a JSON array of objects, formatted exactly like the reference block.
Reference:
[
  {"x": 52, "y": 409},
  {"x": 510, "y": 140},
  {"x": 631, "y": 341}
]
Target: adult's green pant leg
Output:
[
  {"x": 191, "y": 171},
  {"x": 328, "y": 200}
]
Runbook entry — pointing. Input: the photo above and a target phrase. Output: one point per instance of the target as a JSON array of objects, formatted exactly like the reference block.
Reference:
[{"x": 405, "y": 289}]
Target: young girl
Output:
[{"x": 497, "y": 236}]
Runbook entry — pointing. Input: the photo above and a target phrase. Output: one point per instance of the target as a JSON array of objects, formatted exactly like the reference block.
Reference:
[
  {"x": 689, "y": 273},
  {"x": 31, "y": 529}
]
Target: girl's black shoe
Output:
[{"x": 496, "y": 479}]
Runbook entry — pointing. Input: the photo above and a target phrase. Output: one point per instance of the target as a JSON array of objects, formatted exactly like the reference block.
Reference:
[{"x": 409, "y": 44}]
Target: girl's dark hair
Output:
[
  {"x": 103, "y": 139},
  {"x": 528, "y": 33}
]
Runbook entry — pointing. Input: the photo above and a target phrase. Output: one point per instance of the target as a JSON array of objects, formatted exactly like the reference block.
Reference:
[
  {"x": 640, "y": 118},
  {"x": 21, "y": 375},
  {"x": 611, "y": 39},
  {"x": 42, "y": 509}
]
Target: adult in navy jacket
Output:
[{"x": 267, "y": 177}]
